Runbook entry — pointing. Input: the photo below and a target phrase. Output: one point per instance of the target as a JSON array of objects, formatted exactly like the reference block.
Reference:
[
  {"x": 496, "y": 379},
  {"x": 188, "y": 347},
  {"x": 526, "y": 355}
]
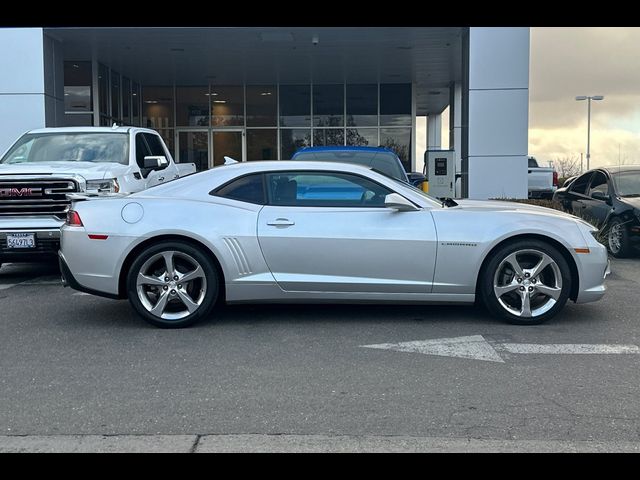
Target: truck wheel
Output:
[
  {"x": 173, "y": 284},
  {"x": 618, "y": 239},
  {"x": 526, "y": 282}
]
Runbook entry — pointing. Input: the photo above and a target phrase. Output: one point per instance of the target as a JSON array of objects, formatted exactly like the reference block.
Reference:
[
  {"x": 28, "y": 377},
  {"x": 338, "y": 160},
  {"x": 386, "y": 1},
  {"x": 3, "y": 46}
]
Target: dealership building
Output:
[{"x": 260, "y": 93}]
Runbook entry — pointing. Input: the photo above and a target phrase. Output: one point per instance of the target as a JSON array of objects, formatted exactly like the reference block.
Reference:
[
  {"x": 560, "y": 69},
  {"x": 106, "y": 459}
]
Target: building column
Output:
[
  {"x": 434, "y": 131},
  {"x": 497, "y": 116},
  {"x": 32, "y": 84}
]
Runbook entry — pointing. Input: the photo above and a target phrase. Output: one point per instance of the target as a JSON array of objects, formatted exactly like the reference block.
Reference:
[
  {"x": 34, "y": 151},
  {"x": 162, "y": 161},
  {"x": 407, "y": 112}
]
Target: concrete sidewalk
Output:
[{"x": 293, "y": 443}]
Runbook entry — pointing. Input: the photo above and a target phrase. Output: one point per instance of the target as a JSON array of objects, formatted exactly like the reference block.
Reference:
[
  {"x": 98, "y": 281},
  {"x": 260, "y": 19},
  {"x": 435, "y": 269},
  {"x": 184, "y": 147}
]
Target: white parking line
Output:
[{"x": 43, "y": 280}]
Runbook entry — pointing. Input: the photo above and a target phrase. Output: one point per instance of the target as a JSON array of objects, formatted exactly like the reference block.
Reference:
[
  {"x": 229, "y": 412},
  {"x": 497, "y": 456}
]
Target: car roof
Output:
[
  {"x": 343, "y": 149},
  {"x": 119, "y": 129},
  {"x": 617, "y": 169}
]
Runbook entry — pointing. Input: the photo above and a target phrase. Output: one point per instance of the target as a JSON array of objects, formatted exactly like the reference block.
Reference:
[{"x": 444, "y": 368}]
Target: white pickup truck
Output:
[
  {"x": 44, "y": 165},
  {"x": 542, "y": 181}
]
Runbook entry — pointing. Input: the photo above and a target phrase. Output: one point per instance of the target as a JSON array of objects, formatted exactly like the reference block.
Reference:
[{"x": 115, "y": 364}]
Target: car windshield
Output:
[
  {"x": 417, "y": 190},
  {"x": 627, "y": 183},
  {"x": 69, "y": 147}
]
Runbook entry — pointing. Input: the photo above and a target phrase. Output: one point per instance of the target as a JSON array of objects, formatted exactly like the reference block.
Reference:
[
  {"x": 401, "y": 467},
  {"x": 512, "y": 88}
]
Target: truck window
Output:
[
  {"x": 141, "y": 150},
  {"x": 155, "y": 145},
  {"x": 533, "y": 163}
]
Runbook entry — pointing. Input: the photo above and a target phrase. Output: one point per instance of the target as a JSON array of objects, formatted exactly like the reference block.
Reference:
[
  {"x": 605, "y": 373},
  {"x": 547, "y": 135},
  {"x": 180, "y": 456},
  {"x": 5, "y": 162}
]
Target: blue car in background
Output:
[{"x": 381, "y": 159}]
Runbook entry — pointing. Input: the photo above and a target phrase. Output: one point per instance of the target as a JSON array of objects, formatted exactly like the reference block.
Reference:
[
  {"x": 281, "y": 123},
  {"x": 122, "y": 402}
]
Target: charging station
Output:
[{"x": 439, "y": 168}]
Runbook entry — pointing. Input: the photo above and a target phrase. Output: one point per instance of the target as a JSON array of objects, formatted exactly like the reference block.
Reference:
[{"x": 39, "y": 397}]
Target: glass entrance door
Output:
[
  {"x": 227, "y": 143},
  {"x": 193, "y": 147}
]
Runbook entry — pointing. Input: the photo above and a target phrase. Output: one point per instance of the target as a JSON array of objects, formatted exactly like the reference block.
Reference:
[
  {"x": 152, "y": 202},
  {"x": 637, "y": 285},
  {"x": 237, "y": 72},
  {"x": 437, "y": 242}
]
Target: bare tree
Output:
[{"x": 567, "y": 166}]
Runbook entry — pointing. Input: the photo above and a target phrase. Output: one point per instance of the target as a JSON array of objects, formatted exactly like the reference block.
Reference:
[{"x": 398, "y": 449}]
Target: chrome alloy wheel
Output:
[
  {"x": 527, "y": 283},
  {"x": 615, "y": 237},
  {"x": 171, "y": 285}
]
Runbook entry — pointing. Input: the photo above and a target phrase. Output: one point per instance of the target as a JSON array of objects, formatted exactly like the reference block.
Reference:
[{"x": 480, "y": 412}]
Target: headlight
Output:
[{"x": 103, "y": 186}]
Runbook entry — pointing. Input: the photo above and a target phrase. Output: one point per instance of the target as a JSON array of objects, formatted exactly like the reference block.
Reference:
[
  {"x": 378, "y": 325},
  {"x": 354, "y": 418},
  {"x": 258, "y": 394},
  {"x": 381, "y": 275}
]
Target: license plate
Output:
[{"x": 21, "y": 240}]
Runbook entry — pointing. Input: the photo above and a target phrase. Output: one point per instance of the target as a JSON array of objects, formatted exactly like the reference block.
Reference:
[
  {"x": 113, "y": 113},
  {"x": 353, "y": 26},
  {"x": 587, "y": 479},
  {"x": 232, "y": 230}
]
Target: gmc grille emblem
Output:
[{"x": 20, "y": 192}]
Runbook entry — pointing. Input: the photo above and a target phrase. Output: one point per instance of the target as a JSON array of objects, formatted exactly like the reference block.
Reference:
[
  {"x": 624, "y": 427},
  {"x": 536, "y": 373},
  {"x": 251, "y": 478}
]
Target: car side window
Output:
[
  {"x": 599, "y": 184},
  {"x": 249, "y": 188},
  {"x": 142, "y": 150},
  {"x": 533, "y": 163},
  {"x": 324, "y": 189},
  {"x": 580, "y": 184}
]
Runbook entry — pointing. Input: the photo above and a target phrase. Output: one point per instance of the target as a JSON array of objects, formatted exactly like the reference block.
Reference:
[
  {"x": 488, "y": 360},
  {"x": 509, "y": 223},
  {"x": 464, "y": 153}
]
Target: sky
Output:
[{"x": 565, "y": 63}]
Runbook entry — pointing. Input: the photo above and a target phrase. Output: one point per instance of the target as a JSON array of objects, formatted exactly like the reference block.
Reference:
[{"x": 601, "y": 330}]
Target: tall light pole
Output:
[{"x": 584, "y": 97}]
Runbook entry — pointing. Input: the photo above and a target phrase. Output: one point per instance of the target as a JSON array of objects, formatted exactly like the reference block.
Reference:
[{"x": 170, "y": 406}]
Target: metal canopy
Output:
[{"x": 428, "y": 56}]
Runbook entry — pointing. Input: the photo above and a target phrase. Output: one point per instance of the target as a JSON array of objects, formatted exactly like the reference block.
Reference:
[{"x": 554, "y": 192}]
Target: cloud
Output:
[{"x": 566, "y": 62}]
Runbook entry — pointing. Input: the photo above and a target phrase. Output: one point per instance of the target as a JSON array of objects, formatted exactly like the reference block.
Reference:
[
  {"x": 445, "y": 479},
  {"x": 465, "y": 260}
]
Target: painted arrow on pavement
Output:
[{"x": 476, "y": 347}]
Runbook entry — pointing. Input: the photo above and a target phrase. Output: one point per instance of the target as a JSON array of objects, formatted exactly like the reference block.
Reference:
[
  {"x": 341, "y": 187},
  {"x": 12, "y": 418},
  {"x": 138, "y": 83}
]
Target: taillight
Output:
[
  {"x": 555, "y": 178},
  {"x": 73, "y": 219}
]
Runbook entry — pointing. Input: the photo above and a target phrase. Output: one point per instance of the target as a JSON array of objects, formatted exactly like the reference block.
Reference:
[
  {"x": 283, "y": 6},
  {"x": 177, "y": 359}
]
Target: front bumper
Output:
[{"x": 47, "y": 244}]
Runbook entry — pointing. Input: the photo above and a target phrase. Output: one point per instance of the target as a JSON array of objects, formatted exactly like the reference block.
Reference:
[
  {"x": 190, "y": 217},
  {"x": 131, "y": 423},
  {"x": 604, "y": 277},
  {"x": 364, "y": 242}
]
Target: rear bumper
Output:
[{"x": 68, "y": 280}]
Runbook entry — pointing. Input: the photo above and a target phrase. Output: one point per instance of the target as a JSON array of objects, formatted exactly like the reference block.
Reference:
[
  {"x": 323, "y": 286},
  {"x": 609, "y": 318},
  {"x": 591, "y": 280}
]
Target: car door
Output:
[
  {"x": 597, "y": 210},
  {"x": 577, "y": 194},
  {"x": 156, "y": 148},
  {"x": 330, "y": 232}
]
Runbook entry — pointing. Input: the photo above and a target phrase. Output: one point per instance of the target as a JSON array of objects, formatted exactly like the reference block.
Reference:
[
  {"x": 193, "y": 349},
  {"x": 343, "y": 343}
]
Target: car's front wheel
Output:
[
  {"x": 526, "y": 282},
  {"x": 172, "y": 284},
  {"x": 618, "y": 238}
]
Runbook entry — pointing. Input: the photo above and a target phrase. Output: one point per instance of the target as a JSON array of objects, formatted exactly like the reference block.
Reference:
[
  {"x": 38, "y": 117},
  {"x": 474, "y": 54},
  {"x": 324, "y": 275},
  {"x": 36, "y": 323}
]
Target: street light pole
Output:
[{"x": 589, "y": 98}]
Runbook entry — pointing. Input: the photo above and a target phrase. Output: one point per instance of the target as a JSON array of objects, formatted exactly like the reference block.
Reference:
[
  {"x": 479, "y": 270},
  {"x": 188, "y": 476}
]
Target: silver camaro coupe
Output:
[{"x": 324, "y": 232}]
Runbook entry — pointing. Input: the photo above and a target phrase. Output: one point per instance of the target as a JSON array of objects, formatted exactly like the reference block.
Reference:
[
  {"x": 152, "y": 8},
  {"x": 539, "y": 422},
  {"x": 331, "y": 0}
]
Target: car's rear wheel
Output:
[
  {"x": 618, "y": 238},
  {"x": 173, "y": 284},
  {"x": 526, "y": 282}
]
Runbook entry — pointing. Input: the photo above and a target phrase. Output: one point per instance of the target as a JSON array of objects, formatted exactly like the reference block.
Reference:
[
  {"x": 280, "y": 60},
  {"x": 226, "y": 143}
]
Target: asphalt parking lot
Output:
[{"x": 85, "y": 373}]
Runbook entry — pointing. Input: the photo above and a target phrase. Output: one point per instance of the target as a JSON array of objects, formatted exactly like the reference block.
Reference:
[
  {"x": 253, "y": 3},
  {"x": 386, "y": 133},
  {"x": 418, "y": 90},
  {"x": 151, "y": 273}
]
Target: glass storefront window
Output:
[
  {"x": 227, "y": 105},
  {"x": 295, "y": 105},
  {"x": 328, "y": 105},
  {"x": 157, "y": 107},
  {"x": 194, "y": 148},
  {"x": 395, "y": 104},
  {"x": 135, "y": 104},
  {"x": 192, "y": 106},
  {"x": 76, "y": 120},
  {"x": 328, "y": 137},
  {"x": 262, "y": 106},
  {"x": 262, "y": 144},
  {"x": 293, "y": 139},
  {"x": 115, "y": 95},
  {"x": 398, "y": 140},
  {"x": 362, "y": 105},
  {"x": 103, "y": 91},
  {"x": 362, "y": 137},
  {"x": 77, "y": 87},
  {"x": 126, "y": 100}
]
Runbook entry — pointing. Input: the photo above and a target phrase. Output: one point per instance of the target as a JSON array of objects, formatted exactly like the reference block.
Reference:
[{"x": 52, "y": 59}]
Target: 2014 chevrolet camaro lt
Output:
[{"x": 324, "y": 232}]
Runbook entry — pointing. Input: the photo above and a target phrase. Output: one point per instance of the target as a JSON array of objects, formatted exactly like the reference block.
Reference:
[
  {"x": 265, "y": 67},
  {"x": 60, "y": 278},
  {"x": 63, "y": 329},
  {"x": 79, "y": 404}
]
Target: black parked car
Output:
[{"x": 609, "y": 198}]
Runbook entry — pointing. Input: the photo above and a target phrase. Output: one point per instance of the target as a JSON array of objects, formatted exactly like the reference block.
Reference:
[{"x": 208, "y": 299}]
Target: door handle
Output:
[
  {"x": 281, "y": 222},
  {"x": 161, "y": 179}
]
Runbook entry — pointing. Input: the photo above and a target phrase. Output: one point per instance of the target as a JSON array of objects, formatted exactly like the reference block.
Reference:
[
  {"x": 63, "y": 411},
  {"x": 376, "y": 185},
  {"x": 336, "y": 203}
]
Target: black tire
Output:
[
  {"x": 184, "y": 254},
  {"x": 546, "y": 308},
  {"x": 623, "y": 249}
]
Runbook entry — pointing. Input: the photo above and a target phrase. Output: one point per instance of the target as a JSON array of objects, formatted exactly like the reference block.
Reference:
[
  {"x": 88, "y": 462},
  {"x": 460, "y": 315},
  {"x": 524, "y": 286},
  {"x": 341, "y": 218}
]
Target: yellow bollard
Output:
[{"x": 425, "y": 187}]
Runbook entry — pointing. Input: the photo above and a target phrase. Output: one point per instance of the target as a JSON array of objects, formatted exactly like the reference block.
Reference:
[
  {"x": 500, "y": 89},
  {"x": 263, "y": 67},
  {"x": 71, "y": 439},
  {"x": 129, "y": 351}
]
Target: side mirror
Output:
[
  {"x": 398, "y": 202},
  {"x": 603, "y": 197},
  {"x": 156, "y": 162}
]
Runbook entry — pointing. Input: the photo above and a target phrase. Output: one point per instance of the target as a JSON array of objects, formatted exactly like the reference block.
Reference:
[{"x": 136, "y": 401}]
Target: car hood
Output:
[
  {"x": 88, "y": 170},
  {"x": 500, "y": 206}
]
